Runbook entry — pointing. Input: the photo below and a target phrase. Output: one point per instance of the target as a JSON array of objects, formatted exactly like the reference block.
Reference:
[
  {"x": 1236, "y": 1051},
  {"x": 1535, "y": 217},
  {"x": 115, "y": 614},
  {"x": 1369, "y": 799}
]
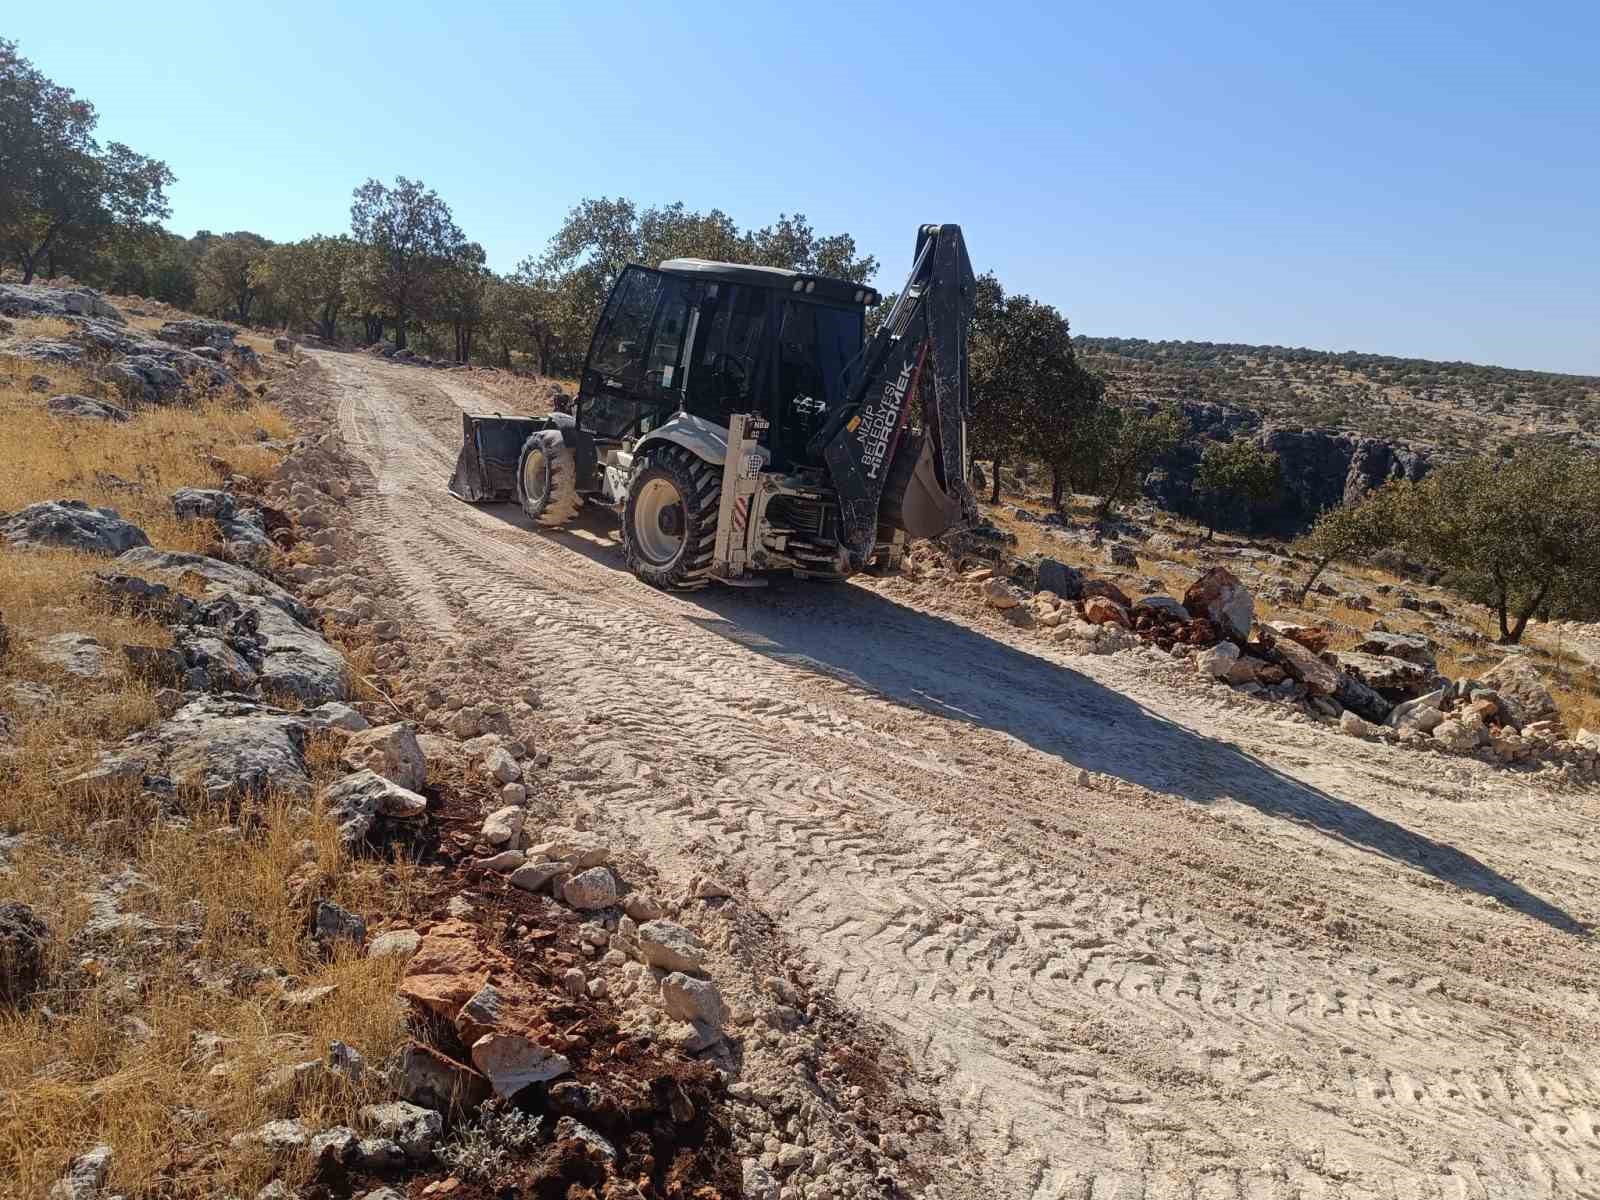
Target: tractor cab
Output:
[{"x": 713, "y": 339}]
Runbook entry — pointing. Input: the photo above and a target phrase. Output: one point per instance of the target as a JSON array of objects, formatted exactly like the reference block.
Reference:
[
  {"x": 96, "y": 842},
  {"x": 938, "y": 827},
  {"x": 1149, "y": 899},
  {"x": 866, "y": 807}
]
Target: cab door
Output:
[{"x": 633, "y": 375}]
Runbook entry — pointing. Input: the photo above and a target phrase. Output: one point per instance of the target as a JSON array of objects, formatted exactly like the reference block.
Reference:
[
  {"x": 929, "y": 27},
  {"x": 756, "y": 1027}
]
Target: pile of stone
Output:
[{"x": 1387, "y": 686}]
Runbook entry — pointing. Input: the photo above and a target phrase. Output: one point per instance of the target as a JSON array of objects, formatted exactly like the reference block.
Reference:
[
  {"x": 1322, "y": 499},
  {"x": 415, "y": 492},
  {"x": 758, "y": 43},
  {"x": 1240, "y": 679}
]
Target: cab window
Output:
[
  {"x": 817, "y": 344},
  {"x": 619, "y": 346},
  {"x": 726, "y": 375},
  {"x": 665, "y": 366}
]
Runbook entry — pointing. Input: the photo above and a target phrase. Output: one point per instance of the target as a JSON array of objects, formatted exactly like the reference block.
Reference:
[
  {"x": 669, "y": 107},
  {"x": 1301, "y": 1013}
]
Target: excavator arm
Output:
[{"x": 897, "y": 448}]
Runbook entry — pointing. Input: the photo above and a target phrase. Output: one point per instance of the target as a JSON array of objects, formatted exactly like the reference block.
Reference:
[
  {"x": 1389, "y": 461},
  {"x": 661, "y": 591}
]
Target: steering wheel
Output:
[{"x": 730, "y": 369}]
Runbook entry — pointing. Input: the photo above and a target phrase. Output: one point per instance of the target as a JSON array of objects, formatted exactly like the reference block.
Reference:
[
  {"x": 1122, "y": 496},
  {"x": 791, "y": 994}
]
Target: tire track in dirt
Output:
[{"x": 1107, "y": 984}]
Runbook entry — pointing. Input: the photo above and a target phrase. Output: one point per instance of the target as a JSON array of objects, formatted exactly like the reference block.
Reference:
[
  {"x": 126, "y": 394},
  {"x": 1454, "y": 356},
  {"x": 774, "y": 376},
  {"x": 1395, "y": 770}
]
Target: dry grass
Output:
[
  {"x": 41, "y": 327},
  {"x": 106, "y": 1053},
  {"x": 133, "y": 467}
]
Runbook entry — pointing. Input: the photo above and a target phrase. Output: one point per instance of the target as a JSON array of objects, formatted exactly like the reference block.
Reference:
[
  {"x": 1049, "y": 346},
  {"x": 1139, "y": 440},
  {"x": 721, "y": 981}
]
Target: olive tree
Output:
[
  {"x": 63, "y": 195},
  {"x": 310, "y": 280},
  {"x": 409, "y": 239},
  {"x": 1351, "y": 533},
  {"x": 1240, "y": 472},
  {"x": 226, "y": 274},
  {"x": 1518, "y": 536},
  {"x": 1116, "y": 447}
]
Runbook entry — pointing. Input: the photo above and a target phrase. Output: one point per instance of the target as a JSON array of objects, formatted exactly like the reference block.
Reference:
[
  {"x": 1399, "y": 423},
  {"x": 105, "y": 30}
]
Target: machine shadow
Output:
[
  {"x": 923, "y": 661},
  {"x": 940, "y": 666}
]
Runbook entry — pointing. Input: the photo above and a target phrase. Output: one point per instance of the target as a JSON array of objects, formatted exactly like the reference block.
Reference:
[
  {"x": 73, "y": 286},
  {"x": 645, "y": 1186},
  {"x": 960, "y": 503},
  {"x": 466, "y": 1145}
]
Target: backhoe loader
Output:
[{"x": 740, "y": 422}]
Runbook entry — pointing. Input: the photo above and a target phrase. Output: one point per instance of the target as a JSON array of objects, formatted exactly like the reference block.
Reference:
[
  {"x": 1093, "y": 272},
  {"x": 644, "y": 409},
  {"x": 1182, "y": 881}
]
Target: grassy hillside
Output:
[{"x": 1452, "y": 405}]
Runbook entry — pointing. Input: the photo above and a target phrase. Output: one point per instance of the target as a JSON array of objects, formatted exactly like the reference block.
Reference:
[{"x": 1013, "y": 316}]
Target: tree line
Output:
[{"x": 405, "y": 272}]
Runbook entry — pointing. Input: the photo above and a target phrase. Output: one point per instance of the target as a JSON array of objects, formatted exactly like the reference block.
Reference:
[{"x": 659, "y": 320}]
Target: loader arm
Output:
[{"x": 915, "y": 367}]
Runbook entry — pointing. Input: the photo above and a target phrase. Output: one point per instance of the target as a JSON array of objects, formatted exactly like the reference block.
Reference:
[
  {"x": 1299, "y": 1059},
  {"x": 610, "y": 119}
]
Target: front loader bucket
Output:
[{"x": 486, "y": 469}]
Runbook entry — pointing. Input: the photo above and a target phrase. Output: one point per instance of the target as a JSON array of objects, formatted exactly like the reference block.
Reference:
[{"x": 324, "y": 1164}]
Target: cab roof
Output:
[{"x": 813, "y": 287}]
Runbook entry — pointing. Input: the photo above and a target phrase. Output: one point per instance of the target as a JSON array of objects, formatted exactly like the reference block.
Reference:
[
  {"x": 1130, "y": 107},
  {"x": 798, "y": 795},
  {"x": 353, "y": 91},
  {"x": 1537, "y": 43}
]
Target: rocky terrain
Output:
[
  {"x": 1320, "y": 468},
  {"x": 1383, "y": 683},
  {"x": 426, "y": 854},
  {"x": 1457, "y": 406},
  {"x": 1340, "y": 424}
]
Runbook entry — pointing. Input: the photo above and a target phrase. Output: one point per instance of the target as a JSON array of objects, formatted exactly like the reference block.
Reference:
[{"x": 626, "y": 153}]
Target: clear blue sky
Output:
[{"x": 1417, "y": 179}]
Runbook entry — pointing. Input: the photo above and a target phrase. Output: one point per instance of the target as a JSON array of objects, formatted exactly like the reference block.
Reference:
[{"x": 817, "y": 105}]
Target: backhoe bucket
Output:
[
  {"x": 914, "y": 500},
  {"x": 486, "y": 469}
]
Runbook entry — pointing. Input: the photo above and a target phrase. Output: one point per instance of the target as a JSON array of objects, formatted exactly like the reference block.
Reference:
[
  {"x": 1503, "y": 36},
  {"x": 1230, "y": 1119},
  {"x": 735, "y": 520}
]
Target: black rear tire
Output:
[
  {"x": 698, "y": 488},
  {"x": 547, "y": 479}
]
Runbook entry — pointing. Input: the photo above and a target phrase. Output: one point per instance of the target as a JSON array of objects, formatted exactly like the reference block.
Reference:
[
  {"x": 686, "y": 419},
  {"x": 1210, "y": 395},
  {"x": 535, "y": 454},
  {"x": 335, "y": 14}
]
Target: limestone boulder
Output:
[
  {"x": 71, "y": 525},
  {"x": 1523, "y": 695},
  {"x": 1221, "y": 598},
  {"x": 391, "y": 751},
  {"x": 1100, "y": 610},
  {"x": 670, "y": 946},
  {"x": 222, "y": 746}
]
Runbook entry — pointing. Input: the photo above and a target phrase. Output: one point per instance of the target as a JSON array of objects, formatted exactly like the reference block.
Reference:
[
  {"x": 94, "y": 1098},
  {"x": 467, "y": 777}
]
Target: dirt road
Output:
[{"x": 1245, "y": 957}]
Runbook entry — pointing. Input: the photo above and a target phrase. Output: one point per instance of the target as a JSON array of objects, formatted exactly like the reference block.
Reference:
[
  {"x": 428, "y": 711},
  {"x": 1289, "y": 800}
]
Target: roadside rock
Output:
[
  {"x": 1098, "y": 610},
  {"x": 593, "y": 889},
  {"x": 569, "y": 1130},
  {"x": 504, "y": 826},
  {"x": 144, "y": 378},
  {"x": 578, "y": 849},
  {"x": 196, "y": 331},
  {"x": 45, "y": 300},
  {"x": 1457, "y": 735},
  {"x": 223, "y": 746},
  {"x": 335, "y": 715},
  {"x": 1058, "y": 577},
  {"x": 242, "y": 531},
  {"x": 1165, "y": 605},
  {"x": 24, "y": 938},
  {"x": 70, "y": 404},
  {"x": 226, "y": 576},
  {"x": 1422, "y": 714},
  {"x": 1354, "y": 694},
  {"x": 332, "y": 924},
  {"x": 449, "y": 967},
  {"x": 997, "y": 593},
  {"x": 502, "y": 768},
  {"x": 1218, "y": 661},
  {"x": 275, "y": 1137},
  {"x": 77, "y": 654},
  {"x": 1313, "y": 637},
  {"x": 85, "y": 1177},
  {"x": 1411, "y": 647},
  {"x": 396, "y": 943},
  {"x": 513, "y": 1061},
  {"x": 670, "y": 946},
  {"x": 688, "y": 999},
  {"x": 391, "y": 751},
  {"x": 72, "y": 524},
  {"x": 295, "y": 659},
  {"x": 1305, "y": 667},
  {"x": 1395, "y": 679},
  {"x": 1523, "y": 696},
  {"x": 535, "y": 876},
  {"x": 434, "y": 1081},
  {"x": 1119, "y": 555},
  {"x": 416, "y": 1130},
  {"x": 1224, "y": 601},
  {"x": 1105, "y": 589}
]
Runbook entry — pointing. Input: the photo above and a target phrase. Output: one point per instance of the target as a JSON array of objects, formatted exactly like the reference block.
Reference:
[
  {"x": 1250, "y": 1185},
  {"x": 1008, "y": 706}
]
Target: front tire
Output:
[
  {"x": 669, "y": 525},
  {"x": 547, "y": 479}
]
